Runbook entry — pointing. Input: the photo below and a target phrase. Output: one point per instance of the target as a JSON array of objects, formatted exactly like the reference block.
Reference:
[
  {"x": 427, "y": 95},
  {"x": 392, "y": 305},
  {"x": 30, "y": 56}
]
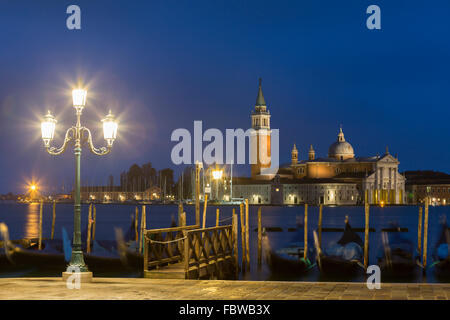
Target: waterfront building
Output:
[
  {"x": 62, "y": 197},
  {"x": 119, "y": 194},
  {"x": 376, "y": 175},
  {"x": 431, "y": 184},
  {"x": 313, "y": 191},
  {"x": 340, "y": 178},
  {"x": 257, "y": 191}
]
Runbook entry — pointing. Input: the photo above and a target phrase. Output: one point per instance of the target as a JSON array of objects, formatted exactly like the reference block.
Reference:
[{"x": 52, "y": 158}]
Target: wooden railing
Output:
[
  {"x": 204, "y": 253},
  {"x": 211, "y": 252},
  {"x": 164, "y": 246}
]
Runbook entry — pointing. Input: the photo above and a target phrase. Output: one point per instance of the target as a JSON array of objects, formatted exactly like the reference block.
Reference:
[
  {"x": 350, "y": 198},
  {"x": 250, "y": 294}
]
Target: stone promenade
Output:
[{"x": 126, "y": 288}]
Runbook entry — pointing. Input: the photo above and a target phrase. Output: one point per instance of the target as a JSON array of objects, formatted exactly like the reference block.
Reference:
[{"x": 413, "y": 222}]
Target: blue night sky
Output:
[{"x": 160, "y": 65}]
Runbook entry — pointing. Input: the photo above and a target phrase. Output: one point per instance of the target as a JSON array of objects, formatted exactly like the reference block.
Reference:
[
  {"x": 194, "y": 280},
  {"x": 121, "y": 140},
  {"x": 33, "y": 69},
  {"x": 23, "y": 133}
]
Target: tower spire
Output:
[
  {"x": 294, "y": 155},
  {"x": 260, "y": 98},
  {"x": 311, "y": 153}
]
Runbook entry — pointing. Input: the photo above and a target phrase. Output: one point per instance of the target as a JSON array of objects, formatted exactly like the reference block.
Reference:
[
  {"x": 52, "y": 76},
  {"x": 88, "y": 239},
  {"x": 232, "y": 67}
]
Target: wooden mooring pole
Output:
[
  {"x": 305, "y": 248},
  {"x": 217, "y": 217},
  {"x": 247, "y": 235},
  {"x": 425, "y": 236},
  {"x": 136, "y": 220},
  {"x": 366, "y": 231},
  {"x": 419, "y": 231},
  {"x": 241, "y": 207},
  {"x": 143, "y": 226},
  {"x": 180, "y": 211},
  {"x": 197, "y": 193},
  {"x": 53, "y": 220},
  {"x": 205, "y": 205},
  {"x": 181, "y": 246},
  {"x": 94, "y": 223},
  {"x": 320, "y": 224},
  {"x": 88, "y": 240},
  {"x": 259, "y": 237},
  {"x": 40, "y": 225},
  {"x": 235, "y": 242}
]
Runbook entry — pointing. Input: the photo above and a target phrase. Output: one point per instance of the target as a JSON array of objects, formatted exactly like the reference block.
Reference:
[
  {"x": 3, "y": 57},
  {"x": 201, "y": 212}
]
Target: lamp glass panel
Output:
[
  {"x": 109, "y": 129},
  {"x": 48, "y": 129},
  {"x": 79, "y": 97}
]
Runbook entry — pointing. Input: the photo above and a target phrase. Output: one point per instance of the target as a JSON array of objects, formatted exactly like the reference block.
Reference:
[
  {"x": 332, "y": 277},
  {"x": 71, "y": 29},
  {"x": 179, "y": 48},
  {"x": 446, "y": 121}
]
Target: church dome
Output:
[{"x": 341, "y": 149}]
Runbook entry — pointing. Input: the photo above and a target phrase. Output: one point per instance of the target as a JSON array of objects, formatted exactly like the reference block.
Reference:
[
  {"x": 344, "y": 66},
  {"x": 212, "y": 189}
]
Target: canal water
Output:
[{"x": 22, "y": 220}]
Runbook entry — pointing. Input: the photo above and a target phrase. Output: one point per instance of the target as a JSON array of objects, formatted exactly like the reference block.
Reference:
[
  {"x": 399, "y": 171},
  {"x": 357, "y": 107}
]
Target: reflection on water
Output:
[{"x": 31, "y": 225}]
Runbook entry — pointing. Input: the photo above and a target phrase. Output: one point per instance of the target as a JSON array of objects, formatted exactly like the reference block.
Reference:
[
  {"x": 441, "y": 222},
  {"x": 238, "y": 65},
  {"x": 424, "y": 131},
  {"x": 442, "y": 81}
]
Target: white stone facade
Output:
[{"x": 385, "y": 184}]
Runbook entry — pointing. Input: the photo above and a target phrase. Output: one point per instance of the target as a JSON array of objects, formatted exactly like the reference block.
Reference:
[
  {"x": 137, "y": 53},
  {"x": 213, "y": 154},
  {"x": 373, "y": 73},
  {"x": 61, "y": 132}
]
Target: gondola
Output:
[
  {"x": 288, "y": 260},
  {"x": 343, "y": 258},
  {"x": 55, "y": 255},
  {"x": 441, "y": 252},
  {"x": 397, "y": 257}
]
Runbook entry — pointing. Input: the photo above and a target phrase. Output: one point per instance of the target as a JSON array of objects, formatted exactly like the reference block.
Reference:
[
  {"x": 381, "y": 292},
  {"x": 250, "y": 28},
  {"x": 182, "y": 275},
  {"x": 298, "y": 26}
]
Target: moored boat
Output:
[
  {"x": 441, "y": 252},
  {"x": 397, "y": 257},
  {"x": 343, "y": 258},
  {"x": 56, "y": 254},
  {"x": 288, "y": 260}
]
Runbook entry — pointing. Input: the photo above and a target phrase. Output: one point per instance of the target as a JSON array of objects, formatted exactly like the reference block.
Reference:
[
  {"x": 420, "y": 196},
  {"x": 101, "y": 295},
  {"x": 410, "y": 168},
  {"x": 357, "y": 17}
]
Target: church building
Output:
[
  {"x": 376, "y": 177},
  {"x": 340, "y": 178}
]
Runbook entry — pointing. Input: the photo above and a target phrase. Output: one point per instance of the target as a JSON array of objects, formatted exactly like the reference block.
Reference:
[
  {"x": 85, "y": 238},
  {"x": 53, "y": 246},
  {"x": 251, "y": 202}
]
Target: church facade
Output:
[
  {"x": 340, "y": 178},
  {"x": 376, "y": 177}
]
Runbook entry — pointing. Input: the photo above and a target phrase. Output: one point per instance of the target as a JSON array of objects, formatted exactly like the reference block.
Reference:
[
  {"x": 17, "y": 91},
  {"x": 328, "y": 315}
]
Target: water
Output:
[{"x": 22, "y": 220}]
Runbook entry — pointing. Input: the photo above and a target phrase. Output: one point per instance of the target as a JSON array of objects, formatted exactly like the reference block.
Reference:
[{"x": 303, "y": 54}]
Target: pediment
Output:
[{"x": 387, "y": 158}]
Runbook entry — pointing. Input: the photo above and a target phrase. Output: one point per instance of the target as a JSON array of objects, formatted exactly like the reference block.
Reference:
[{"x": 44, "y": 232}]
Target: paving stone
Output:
[{"x": 126, "y": 288}]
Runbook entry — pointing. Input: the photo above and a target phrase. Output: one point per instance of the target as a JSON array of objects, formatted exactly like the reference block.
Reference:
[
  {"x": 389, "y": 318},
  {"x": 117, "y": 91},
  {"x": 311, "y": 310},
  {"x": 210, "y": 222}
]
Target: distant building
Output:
[
  {"x": 285, "y": 191},
  {"x": 117, "y": 194},
  {"x": 314, "y": 191},
  {"x": 378, "y": 176},
  {"x": 341, "y": 178},
  {"x": 62, "y": 196},
  {"x": 431, "y": 184},
  {"x": 256, "y": 191}
]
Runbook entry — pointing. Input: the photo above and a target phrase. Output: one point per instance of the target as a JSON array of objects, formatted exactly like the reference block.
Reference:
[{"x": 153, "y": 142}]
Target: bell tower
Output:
[
  {"x": 294, "y": 155},
  {"x": 261, "y": 125},
  {"x": 311, "y": 153}
]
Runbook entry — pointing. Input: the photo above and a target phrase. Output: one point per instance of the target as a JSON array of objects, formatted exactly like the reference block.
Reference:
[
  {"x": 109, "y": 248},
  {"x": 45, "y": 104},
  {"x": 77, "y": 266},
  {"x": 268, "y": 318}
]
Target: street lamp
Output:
[
  {"x": 33, "y": 188},
  {"x": 78, "y": 135}
]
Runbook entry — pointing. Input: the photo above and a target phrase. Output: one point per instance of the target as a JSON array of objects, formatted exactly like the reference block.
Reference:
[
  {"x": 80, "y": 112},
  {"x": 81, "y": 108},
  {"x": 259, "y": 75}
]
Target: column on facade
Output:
[{"x": 397, "y": 200}]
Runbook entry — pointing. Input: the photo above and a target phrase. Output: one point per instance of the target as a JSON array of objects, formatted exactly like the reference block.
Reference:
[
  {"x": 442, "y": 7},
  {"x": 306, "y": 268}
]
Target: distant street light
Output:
[
  {"x": 217, "y": 175},
  {"x": 33, "y": 191},
  {"x": 78, "y": 135}
]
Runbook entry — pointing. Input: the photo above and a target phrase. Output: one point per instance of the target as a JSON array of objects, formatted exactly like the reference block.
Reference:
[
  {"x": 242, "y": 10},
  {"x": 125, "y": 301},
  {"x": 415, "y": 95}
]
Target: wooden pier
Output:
[{"x": 190, "y": 252}]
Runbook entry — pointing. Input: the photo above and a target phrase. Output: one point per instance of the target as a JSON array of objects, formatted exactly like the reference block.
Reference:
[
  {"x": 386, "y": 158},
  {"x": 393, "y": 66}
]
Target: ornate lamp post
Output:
[{"x": 78, "y": 135}]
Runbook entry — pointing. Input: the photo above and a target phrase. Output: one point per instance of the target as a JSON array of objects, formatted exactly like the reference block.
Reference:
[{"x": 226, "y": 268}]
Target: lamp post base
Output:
[{"x": 83, "y": 277}]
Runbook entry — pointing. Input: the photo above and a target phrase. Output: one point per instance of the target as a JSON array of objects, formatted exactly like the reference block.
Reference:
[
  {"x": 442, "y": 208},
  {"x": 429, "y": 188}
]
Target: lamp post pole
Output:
[
  {"x": 78, "y": 135},
  {"x": 217, "y": 189},
  {"x": 77, "y": 259}
]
